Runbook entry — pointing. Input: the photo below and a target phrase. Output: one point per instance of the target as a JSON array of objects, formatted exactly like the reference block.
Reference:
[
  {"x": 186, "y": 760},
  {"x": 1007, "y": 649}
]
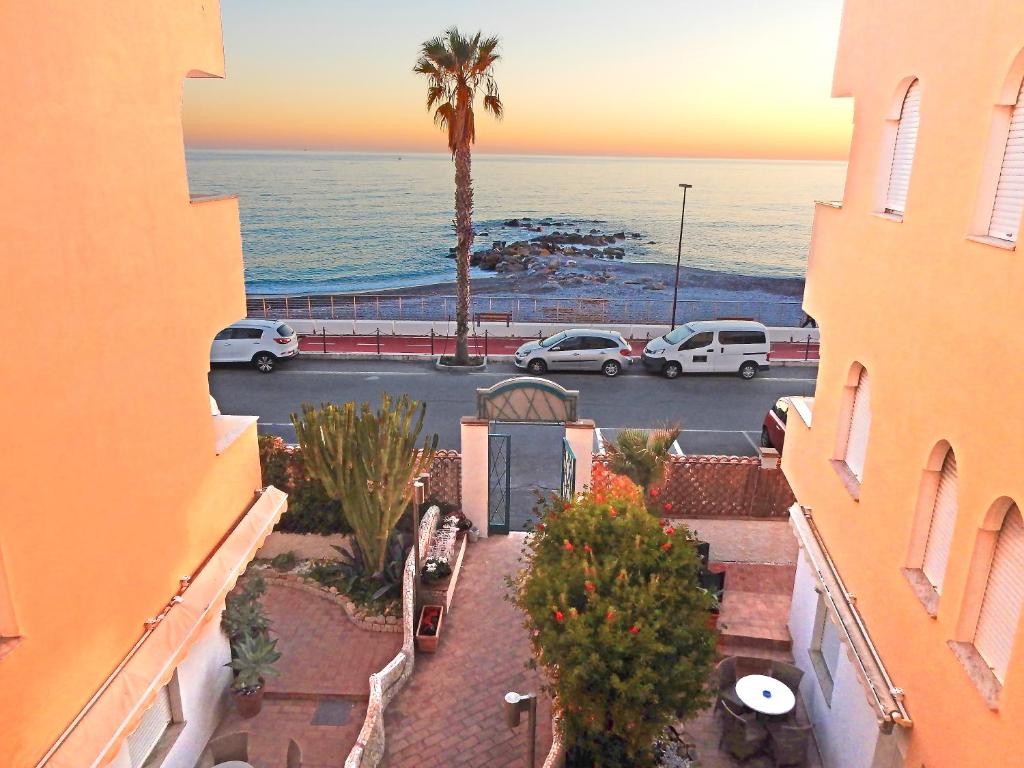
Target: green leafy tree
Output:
[
  {"x": 641, "y": 455},
  {"x": 367, "y": 460},
  {"x": 457, "y": 68},
  {"x": 310, "y": 509},
  {"x": 619, "y": 623}
]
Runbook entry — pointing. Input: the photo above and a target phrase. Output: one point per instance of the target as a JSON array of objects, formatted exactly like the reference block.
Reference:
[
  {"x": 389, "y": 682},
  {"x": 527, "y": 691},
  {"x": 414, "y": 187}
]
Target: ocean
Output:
[{"x": 320, "y": 222}]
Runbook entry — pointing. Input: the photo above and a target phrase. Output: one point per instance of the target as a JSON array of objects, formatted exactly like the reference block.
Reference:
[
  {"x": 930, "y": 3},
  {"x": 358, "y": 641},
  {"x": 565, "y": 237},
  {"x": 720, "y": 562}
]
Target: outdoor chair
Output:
[
  {"x": 788, "y": 674},
  {"x": 232, "y": 746},
  {"x": 789, "y": 745},
  {"x": 742, "y": 736},
  {"x": 726, "y": 676},
  {"x": 294, "y": 754}
]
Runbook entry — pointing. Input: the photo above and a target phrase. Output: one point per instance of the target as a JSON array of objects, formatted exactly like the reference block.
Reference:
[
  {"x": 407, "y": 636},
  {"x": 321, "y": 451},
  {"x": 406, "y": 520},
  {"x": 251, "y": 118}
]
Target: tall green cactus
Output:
[{"x": 368, "y": 461}]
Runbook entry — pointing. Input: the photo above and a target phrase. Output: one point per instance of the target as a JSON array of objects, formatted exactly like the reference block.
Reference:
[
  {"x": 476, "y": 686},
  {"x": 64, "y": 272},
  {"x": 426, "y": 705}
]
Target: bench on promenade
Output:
[{"x": 493, "y": 317}]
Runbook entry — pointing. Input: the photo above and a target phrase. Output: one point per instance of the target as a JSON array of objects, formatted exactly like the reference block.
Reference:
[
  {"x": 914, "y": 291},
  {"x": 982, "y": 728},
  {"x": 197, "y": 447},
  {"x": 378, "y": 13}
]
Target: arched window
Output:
[
  {"x": 943, "y": 521},
  {"x": 903, "y": 151},
  {"x": 859, "y": 426},
  {"x": 1004, "y": 596},
  {"x": 1008, "y": 205}
]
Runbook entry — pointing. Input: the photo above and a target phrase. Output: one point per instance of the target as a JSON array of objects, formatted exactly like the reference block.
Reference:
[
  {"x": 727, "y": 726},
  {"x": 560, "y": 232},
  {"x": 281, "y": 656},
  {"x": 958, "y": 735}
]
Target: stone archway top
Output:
[{"x": 526, "y": 400}]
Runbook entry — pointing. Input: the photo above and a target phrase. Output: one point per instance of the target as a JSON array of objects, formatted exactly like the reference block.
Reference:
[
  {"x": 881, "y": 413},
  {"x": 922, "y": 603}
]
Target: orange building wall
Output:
[
  {"x": 113, "y": 285},
  {"x": 936, "y": 319}
]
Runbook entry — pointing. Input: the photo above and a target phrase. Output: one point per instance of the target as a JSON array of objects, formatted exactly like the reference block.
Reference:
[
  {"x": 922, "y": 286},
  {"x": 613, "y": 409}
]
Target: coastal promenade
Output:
[{"x": 388, "y": 344}]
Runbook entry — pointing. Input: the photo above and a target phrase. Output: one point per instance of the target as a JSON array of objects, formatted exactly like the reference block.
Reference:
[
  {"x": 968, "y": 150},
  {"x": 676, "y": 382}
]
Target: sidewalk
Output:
[
  {"x": 490, "y": 345},
  {"x": 451, "y": 715}
]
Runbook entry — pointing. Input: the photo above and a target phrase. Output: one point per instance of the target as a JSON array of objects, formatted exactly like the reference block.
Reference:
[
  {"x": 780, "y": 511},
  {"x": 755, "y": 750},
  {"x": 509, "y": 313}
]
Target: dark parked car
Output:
[{"x": 773, "y": 431}]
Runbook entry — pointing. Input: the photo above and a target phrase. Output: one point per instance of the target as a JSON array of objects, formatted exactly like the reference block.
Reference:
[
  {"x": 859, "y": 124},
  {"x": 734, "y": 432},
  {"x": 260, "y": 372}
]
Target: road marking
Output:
[{"x": 750, "y": 440}]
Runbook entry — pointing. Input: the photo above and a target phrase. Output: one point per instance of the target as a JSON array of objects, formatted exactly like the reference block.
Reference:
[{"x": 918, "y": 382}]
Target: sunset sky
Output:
[{"x": 735, "y": 78}]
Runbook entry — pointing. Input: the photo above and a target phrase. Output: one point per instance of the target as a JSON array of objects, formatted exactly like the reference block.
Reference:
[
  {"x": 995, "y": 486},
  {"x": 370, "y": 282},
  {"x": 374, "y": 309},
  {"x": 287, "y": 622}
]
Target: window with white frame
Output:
[
  {"x": 824, "y": 649},
  {"x": 943, "y": 521},
  {"x": 154, "y": 724},
  {"x": 859, "y": 426},
  {"x": 1008, "y": 205},
  {"x": 903, "y": 151},
  {"x": 1004, "y": 596}
]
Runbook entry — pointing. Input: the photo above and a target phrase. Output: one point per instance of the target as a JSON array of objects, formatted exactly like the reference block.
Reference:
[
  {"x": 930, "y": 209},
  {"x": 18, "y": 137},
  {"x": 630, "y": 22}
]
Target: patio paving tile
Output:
[
  {"x": 322, "y": 652},
  {"x": 450, "y": 713}
]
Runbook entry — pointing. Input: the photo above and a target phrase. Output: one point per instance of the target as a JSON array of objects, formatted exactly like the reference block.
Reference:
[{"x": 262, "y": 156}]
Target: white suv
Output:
[{"x": 260, "y": 342}]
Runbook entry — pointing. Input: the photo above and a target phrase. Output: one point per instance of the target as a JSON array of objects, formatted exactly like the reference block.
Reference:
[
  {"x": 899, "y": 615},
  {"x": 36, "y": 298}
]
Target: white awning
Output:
[
  {"x": 886, "y": 697},
  {"x": 95, "y": 736}
]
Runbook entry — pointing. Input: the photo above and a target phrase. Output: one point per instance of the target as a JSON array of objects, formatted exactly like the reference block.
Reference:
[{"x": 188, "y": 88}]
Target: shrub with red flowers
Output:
[{"x": 619, "y": 623}]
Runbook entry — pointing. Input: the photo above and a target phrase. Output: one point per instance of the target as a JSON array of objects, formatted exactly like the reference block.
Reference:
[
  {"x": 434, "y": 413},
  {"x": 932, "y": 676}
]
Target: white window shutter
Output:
[
  {"x": 151, "y": 727},
  {"x": 1004, "y": 595},
  {"x": 940, "y": 533},
  {"x": 860, "y": 425},
  {"x": 903, "y": 151},
  {"x": 1009, "y": 203}
]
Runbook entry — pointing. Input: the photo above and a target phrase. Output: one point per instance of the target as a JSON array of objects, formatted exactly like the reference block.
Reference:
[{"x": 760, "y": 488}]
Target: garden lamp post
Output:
[
  {"x": 516, "y": 704},
  {"x": 679, "y": 255},
  {"x": 419, "y": 491}
]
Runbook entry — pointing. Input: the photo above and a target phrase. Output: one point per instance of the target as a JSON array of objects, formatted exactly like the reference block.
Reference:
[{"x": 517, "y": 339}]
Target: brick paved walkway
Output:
[
  {"x": 322, "y": 652},
  {"x": 450, "y": 712},
  {"x": 320, "y": 697}
]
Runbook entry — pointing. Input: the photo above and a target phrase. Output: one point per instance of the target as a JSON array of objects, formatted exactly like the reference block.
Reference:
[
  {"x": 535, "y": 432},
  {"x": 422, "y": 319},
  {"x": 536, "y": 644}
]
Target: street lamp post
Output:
[{"x": 679, "y": 255}]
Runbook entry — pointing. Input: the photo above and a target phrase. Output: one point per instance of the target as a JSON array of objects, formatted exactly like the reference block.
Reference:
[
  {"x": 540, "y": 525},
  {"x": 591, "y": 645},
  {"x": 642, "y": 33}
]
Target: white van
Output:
[{"x": 710, "y": 346}]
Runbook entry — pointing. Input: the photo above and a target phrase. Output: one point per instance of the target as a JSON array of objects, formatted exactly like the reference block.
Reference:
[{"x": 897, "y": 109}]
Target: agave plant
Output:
[
  {"x": 641, "y": 454},
  {"x": 243, "y": 612},
  {"x": 255, "y": 656},
  {"x": 354, "y": 568}
]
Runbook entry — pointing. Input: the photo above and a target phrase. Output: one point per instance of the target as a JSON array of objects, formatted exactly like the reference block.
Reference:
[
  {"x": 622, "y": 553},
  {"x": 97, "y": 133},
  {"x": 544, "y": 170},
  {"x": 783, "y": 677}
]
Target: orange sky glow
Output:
[{"x": 743, "y": 79}]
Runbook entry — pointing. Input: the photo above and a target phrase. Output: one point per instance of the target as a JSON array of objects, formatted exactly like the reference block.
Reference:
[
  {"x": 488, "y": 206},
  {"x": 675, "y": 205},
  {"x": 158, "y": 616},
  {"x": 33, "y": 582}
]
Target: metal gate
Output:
[
  {"x": 568, "y": 471},
  {"x": 499, "y": 482}
]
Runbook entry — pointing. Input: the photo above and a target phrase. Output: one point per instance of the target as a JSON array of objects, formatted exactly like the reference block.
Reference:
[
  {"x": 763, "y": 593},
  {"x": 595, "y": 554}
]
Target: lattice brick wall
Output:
[
  {"x": 446, "y": 477},
  {"x": 717, "y": 486}
]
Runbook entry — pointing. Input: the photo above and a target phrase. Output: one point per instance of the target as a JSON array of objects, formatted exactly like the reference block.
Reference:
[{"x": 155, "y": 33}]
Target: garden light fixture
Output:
[{"x": 515, "y": 705}]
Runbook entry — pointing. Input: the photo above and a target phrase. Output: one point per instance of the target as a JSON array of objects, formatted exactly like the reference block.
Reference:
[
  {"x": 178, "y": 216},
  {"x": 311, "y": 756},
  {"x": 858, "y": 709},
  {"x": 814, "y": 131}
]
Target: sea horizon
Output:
[{"x": 338, "y": 221}]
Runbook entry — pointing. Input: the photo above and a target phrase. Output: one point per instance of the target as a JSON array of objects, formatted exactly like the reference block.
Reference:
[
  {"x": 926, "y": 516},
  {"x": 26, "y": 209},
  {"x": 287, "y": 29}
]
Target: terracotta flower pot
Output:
[
  {"x": 431, "y": 618},
  {"x": 249, "y": 703}
]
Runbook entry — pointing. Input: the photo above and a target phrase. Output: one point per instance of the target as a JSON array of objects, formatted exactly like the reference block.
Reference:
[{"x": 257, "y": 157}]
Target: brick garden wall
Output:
[
  {"x": 446, "y": 478},
  {"x": 718, "y": 486}
]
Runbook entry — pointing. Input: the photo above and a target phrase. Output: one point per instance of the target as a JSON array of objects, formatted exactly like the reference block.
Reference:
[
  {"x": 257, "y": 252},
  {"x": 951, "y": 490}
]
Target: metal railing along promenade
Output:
[{"x": 523, "y": 309}]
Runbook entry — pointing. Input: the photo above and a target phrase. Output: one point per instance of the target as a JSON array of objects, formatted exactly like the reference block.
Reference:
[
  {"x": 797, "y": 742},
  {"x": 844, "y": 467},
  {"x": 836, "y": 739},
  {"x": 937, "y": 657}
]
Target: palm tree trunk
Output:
[{"x": 464, "y": 231}]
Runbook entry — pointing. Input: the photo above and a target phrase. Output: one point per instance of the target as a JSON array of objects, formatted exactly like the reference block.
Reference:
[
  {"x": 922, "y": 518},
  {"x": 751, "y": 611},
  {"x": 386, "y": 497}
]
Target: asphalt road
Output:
[{"x": 718, "y": 413}]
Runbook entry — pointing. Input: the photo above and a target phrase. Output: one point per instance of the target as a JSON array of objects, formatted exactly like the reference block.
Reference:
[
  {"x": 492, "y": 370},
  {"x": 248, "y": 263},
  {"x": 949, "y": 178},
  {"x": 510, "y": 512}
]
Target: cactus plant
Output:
[{"x": 367, "y": 460}]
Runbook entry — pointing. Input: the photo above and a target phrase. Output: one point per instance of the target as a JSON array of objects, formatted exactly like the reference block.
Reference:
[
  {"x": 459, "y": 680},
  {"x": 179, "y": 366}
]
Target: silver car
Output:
[{"x": 581, "y": 349}]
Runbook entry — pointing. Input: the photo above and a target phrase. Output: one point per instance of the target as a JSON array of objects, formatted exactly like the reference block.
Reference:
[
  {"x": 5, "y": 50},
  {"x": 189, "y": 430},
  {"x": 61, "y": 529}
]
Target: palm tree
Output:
[
  {"x": 458, "y": 67},
  {"x": 641, "y": 455}
]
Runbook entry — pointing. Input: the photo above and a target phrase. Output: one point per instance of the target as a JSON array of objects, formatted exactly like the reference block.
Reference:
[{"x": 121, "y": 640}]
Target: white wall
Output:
[
  {"x": 846, "y": 729},
  {"x": 203, "y": 682}
]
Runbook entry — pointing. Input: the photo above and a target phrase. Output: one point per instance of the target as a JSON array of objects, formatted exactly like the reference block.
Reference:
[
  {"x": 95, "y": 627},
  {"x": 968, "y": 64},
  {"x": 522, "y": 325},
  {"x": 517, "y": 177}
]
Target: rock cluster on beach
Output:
[{"x": 554, "y": 253}]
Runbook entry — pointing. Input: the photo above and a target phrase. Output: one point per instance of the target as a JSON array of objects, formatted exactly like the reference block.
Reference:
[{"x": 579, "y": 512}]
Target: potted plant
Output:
[
  {"x": 254, "y": 659},
  {"x": 436, "y": 569},
  {"x": 428, "y": 629}
]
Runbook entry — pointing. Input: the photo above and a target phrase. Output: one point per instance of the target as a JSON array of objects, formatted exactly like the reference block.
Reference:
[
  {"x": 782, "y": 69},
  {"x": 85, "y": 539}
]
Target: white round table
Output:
[
  {"x": 765, "y": 694},
  {"x": 233, "y": 764}
]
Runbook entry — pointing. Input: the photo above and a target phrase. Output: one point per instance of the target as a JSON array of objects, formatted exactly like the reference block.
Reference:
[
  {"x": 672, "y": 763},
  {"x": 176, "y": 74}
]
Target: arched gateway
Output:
[{"x": 486, "y": 455}]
